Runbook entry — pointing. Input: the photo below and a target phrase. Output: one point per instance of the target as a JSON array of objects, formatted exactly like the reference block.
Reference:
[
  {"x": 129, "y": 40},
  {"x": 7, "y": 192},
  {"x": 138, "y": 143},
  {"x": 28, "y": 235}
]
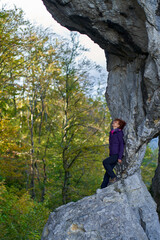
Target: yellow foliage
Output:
[{"x": 12, "y": 163}]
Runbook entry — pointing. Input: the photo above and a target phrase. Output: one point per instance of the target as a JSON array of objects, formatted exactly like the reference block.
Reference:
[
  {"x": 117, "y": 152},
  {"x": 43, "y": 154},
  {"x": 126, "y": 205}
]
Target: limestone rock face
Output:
[
  {"x": 129, "y": 33},
  {"x": 124, "y": 210}
]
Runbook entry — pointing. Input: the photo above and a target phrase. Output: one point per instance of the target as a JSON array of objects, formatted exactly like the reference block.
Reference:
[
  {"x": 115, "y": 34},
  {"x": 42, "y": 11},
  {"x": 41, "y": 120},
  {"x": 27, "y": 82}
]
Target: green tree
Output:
[
  {"x": 81, "y": 119},
  {"x": 11, "y": 63},
  {"x": 12, "y": 164},
  {"x": 40, "y": 71},
  {"x": 20, "y": 216},
  {"x": 60, "y": 125},
  {"x": 149, "y": 165}
]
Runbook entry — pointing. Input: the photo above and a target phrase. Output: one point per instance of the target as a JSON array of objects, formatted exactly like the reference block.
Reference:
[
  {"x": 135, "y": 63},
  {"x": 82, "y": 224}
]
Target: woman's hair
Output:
[{"x": 121, "y": 122}]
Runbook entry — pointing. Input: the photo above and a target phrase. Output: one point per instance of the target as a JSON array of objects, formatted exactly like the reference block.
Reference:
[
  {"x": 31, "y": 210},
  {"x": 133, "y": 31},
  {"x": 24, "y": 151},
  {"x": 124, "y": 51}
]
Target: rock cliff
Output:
[{"x": 129, "y": 33}]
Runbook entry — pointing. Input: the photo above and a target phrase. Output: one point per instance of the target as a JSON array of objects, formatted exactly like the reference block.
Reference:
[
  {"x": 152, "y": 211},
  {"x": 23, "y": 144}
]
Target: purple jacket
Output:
[{"x": 116, "y": 142}]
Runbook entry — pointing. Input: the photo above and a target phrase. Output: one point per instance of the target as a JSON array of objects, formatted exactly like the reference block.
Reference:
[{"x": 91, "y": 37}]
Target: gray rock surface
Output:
[
  {"x": 129, "y": 33},
  {"x": 124, "y": 210}
]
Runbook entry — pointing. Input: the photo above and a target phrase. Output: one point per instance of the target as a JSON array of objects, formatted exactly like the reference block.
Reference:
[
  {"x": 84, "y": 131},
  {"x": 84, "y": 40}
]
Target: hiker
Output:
[{"x": 116, "y": 147}]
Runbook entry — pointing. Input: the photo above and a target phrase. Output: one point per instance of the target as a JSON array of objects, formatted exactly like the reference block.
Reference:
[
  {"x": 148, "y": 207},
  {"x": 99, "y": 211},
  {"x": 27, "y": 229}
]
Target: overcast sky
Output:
[{"x": 36, "y": 12}]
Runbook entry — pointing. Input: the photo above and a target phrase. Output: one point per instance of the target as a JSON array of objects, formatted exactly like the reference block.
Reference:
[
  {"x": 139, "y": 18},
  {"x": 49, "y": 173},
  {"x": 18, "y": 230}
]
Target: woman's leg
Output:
[
  {"x": 109, "y": 163},
  {"x": 105, "y": 180},
  {"x": 106, "y": 175}
]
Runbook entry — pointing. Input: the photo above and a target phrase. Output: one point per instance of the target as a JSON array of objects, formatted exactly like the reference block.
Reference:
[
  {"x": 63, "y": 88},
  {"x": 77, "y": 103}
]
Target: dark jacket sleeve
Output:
[{"x": 121, "y": 143}]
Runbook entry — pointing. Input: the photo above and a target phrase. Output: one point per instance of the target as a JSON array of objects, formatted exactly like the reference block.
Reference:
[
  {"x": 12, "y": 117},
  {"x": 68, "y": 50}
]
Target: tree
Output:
[
  {"x": 148, "y": 165},
  {"x": 81, "y": 117},
  {"x": 11, "y": 64},
  {"x": 154, "y": 187},
  {"x": 53, "y": 129},
  {"x": 58, "y": 120}
]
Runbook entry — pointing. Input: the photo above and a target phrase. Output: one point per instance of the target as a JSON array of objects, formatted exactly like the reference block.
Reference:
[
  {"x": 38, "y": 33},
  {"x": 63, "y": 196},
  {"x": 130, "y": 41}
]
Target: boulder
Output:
[{"x": 124, "y": 210}]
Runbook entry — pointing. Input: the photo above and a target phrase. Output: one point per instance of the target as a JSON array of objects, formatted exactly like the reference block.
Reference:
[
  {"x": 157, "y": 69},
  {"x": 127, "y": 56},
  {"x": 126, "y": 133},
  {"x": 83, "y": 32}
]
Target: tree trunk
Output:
[
  {"x": 32, "y": 175},
  {"x": 65, "y": 190}
]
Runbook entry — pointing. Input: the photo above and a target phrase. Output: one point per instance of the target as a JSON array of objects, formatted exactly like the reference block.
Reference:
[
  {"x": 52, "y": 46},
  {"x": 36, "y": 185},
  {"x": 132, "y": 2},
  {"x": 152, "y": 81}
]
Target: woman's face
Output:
[{"x": 115, "y": 124}]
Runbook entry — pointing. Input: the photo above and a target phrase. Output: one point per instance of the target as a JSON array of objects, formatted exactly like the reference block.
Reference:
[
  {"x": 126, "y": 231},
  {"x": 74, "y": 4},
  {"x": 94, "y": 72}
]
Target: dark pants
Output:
[{"x": 109, "y": 163}]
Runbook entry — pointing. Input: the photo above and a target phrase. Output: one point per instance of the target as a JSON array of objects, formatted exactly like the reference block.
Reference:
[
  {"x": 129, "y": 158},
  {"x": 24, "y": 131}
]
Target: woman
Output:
[{"x": 116, "y": 148}]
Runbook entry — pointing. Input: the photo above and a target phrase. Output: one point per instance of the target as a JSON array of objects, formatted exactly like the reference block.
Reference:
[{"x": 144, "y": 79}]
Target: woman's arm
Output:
[{"x": 121, "y": 143}]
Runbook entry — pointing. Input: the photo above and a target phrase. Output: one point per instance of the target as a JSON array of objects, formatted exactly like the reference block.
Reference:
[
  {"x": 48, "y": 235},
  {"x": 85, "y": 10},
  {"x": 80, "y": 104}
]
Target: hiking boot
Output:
[{"x": 113, "y": 180}]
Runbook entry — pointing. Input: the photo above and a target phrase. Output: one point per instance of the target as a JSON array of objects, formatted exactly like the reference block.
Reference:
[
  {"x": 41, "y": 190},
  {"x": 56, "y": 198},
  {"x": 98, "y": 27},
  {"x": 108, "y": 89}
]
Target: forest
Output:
[{"x": 54, "y": 125}]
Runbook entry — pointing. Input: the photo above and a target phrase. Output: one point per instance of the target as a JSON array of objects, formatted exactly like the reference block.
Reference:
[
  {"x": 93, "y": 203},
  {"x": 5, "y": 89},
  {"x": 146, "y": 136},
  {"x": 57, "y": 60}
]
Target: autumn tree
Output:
[{"x": 81, "y": 118}]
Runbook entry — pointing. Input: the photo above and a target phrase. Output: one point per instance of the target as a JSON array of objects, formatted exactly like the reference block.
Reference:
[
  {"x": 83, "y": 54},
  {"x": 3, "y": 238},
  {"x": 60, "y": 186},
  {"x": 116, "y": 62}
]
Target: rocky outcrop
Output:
[
  {"x": 117, "y": 26},
  {"x": 129, "y": 33},
  {"x": 124, "y": 210}
]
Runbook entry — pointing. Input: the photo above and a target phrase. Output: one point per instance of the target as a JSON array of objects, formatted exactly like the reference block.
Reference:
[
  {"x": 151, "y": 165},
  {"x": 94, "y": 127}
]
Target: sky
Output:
[{"x": 37, "y": 13}]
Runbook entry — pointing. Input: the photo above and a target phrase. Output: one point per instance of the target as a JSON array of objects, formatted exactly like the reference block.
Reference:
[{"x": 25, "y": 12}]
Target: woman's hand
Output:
[{"x": 119, "y": 160}]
